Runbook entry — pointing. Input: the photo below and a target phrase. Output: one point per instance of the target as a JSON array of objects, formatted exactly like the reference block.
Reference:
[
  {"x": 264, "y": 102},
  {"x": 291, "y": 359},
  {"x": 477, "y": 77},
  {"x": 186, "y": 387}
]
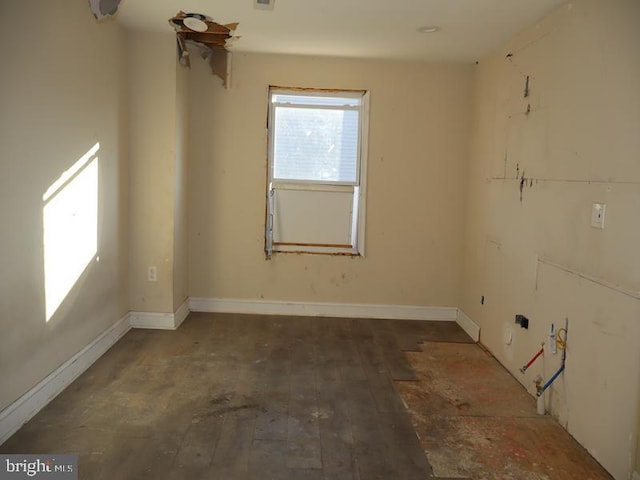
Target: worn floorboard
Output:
[
  {"x": 475, "y": 421},
  {"x": 244, "y": 397},
  {"x": 241, "y": 397}
]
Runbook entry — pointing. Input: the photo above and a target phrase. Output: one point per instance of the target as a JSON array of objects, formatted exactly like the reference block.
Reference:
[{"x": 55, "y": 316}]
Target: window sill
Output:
[{"x": 337, "y": 250}]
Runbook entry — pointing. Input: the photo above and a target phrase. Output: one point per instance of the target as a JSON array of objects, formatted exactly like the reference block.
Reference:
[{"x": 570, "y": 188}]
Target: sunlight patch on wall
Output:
[{"x": 70, "y": 220}]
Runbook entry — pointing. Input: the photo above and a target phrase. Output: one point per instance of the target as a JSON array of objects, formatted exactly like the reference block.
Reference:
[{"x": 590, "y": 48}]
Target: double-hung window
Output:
[{"x": 316, "y": 179}]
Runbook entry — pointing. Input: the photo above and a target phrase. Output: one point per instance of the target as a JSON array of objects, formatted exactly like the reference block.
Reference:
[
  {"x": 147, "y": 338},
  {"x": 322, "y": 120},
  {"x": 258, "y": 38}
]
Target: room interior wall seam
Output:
[
  {"x": 469, "y": 326},
  {"x": 465, "y": 210}
]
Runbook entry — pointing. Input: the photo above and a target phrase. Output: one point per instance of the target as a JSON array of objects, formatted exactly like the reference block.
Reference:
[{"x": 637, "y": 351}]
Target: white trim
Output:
[
  {"x": 362, "y": 187},
  {"x": 468, "y": 325},
  {"x": 358, "y": 209},
  {"x": 314, "y": 249},
  {"x": 313, "y": 186},
  {"x": 160, "y": 321},
  {"x": 181, "y": 313},
  {"x": 347, "y": 310},
  {"x": 24, "y": 408}
]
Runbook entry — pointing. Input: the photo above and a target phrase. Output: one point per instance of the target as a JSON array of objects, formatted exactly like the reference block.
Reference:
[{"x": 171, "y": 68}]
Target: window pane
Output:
[{"x": 315, "y": 144}]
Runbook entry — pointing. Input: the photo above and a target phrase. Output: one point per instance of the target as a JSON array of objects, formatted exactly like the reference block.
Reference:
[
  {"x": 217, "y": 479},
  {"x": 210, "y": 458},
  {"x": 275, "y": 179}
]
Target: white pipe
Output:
[{"x": 540, "y": 405}]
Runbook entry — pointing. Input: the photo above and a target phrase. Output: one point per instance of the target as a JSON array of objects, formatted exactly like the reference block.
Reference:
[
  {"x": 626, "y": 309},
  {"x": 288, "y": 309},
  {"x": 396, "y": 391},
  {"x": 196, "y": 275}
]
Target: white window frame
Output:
[{"x": 357, "y": 188}]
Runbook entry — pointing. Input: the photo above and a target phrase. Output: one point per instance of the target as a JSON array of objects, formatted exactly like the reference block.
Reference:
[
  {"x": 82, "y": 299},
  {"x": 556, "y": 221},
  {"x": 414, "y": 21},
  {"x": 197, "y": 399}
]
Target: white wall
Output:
[
  {"x": 538, "y": 255},
  {"x": 61, "y": 93},
  {"x": 418, "y": 146}
]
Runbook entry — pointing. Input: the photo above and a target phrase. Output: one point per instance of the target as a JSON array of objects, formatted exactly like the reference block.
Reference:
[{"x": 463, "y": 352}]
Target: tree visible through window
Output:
[{"x": 316, "y": 161}]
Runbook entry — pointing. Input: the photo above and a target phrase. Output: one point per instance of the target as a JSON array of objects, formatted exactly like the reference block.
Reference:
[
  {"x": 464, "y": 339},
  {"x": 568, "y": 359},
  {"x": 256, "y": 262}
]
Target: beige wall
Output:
[
  {"x": 539, "y": 255},
  {"x": 637, "y": 461},
  {"x": 60, "y": 94},
  {"x": 419, "y": 126},
  {"x": 440, "y": 231},
  {"x": 152, "y": 110},
  {"x": 180, "y": 254}
]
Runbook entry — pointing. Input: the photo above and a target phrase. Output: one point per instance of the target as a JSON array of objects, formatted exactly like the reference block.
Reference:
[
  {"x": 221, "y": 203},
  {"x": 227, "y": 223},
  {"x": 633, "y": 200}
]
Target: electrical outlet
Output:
[
  {"x": 152, "y": 274},
  {"x": 597, "y": 215}
]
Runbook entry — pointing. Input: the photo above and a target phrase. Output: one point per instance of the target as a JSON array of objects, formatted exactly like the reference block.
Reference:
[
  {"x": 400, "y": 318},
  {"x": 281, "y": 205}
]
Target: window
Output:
[{"x": 317, "y": 159}]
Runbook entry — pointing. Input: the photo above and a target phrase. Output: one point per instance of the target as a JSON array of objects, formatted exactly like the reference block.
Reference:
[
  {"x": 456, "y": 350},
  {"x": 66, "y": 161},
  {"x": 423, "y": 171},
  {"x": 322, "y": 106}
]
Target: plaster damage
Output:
[{"x": 209, "y": 38}]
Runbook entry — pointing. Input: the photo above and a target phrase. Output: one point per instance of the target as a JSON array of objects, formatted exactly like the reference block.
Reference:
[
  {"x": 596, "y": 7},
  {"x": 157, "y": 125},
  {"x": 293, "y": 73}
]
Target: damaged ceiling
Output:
[
  {"x": 468, "y": 30},
  {"x": 198, "y": 32}
]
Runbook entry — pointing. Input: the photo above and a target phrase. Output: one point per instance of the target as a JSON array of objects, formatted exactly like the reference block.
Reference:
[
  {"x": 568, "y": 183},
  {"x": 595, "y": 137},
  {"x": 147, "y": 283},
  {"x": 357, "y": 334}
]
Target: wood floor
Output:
[
  {"x": 243, "y": 397},
  {"x": 232, "y": 397}
]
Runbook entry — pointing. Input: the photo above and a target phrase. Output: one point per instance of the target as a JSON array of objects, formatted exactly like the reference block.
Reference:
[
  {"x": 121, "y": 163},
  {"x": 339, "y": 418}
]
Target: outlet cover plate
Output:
[
  {"x": 152, "y": 274},
  {"x": 597, "y": 215}
]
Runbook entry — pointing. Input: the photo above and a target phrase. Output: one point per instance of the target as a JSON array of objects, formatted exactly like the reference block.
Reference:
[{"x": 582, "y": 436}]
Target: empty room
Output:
[{"x": 335, "y": 240}]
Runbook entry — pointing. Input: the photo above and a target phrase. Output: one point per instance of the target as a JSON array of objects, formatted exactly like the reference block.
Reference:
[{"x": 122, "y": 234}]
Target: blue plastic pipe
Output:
[
  {"x": 551, "y": 380},
  {"x": 561, "y": 369}
]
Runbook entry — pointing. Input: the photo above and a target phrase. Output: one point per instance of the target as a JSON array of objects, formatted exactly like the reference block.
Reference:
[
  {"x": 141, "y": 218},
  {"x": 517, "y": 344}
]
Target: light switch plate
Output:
[
  {"x": 152, "y": 274},
  {"x": 597, "y": 215}
]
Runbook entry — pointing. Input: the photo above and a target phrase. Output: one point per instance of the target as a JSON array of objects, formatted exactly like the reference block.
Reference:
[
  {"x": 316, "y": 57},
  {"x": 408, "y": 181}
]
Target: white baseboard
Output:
[
  {"x": 160, "y": 321},
  {"x": 344, "y": 310},
  {"x": 23, "y": 409},
  {"x": 468, "y": 325},
  {"x": 181, "y": 313}
]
